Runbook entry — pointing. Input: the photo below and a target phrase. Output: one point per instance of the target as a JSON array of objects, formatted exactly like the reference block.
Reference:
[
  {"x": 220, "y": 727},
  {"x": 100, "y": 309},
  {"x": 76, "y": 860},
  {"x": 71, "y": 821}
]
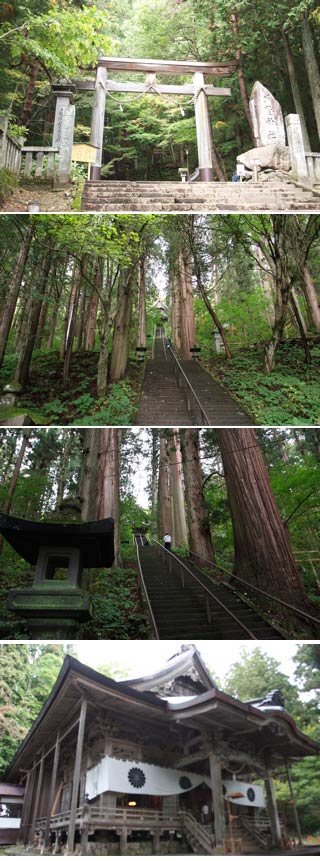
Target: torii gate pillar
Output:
[
  {"x": 203, "y": 128},
  {"x": 97, "y": 122}
]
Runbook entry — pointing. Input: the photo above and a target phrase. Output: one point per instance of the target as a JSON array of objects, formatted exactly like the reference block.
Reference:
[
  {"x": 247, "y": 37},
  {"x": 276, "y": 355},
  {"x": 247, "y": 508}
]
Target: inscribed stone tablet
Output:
[{"x": 267, "y": 117}]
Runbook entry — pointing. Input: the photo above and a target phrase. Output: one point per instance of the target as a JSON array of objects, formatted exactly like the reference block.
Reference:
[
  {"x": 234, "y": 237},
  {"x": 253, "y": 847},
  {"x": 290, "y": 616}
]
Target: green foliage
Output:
[
  {"x": 27, "y": 675},
  {"x": 8, "y": 184},
  {"x": 117, "y": 613},
  {"x": 285, "y": 397}
]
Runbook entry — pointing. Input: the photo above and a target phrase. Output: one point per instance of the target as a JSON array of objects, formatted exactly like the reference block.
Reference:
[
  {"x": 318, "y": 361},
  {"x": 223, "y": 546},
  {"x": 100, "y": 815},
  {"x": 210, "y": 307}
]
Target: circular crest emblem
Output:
[{"x": 136, "y": 777}]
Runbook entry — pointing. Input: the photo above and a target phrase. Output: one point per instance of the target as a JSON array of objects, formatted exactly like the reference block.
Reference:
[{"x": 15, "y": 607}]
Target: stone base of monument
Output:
[
  {"x": 53, "y": 611},
  {"x": 273, "y": 156}
]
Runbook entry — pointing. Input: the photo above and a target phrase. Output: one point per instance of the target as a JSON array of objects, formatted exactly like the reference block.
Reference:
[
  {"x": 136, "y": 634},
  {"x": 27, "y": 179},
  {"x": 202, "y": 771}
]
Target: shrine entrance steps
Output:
[
  {"x": 181, "y": 611},
  {"x": 164, "y": 403},
  {"x": 123, "y": 196}
]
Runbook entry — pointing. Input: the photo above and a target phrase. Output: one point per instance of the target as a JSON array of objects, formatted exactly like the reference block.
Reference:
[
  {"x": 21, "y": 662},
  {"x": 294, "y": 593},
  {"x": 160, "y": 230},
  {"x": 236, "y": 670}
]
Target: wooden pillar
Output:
[
  {"x": 273, "y": 812},
  {"x": 97, "y": 121},
  {"x": 27, "y": 802},
  {"x": 217, "y": 800},
  {"x": 37, "y": 798},
  {"x": 203, "y": 128},
  {"x": 123, "y": 840},
  {"x": 294, "y": 806},
  {"x": 52, "y": 790},
  {"x": 156, "y": 842},
  {"x": 76, "y": 776}
]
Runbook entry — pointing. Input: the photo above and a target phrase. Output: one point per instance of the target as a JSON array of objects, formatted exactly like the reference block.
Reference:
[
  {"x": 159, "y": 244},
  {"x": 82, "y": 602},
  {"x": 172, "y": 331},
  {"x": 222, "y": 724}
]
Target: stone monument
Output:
[{"x": 267, "y": 117}]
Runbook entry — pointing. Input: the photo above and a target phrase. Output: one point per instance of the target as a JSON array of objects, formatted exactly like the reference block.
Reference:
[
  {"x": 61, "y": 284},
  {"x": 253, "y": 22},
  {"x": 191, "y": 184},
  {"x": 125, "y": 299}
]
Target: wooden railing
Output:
[
  {"x": 195, "y": 831},
  {"x": 38, "y": 162},
  {"x": 258, "y": 828}
]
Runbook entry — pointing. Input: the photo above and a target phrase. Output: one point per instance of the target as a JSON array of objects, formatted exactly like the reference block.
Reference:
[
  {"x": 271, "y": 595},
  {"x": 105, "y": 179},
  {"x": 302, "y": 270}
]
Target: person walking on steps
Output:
[{"x": 167, "y": 541}]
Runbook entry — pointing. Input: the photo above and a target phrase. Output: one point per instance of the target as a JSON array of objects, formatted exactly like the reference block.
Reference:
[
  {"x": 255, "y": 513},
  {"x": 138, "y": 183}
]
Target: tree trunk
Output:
[
  {"x": 208, "y": 305},
  {"x": 165, "y": 513},
  {"x": 262, "y": 553},
  {"x": 108, "y": 488},
  {"x": 62, "y": 471},
  {"x": 283, "y": 287},
  {"x": 13, "y": 291},
  {"x": 25, "y": 356},
  {"x": 199, "y": 526},
  {"x": 102, "y": 375},
  {"x": 154, "y": 480},
  {"x": 311, "y": 297},
  {"x": 177, "y": 491},
  {"x": 27, "y": 106},
  {"x": 72, "y": 318},
  {"x": 301, "y": 325},
  {"x": 94, "y": 305},
  {"x": 6, "y": 506},
  {"x": 175, "y": 311},
  {"x": 89, "y": 476},
  {"x": 121, "y": 335},
  {"x": 142, "y": 295},
  {"x": 311, "y": 67},
  {"x": 187, "y": 328},
  {"x": 296, "y": 90},
  {"x": 241, "y": 77}
]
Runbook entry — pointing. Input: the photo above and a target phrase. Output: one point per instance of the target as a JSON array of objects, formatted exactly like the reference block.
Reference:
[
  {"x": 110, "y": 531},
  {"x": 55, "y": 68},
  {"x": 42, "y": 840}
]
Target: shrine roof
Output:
[
  {"x": 95, "y": 540},
  {"x": 210, "y": 714}
]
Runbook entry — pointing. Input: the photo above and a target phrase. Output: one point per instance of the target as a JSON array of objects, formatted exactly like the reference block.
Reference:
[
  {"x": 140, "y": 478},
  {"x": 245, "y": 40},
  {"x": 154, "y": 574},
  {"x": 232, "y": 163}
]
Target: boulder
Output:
[{"x": 274, "y": 156}]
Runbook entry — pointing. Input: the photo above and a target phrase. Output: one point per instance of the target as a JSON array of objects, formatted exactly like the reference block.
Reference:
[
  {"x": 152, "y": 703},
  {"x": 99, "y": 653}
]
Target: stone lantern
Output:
[{"x": 58, "y": 601}]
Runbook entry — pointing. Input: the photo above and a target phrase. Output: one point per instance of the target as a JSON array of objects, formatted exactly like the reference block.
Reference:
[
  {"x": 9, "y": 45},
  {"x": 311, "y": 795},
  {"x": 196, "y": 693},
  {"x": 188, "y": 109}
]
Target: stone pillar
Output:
[
  {"x": 64, "y": 98},
  {"x": 217, "y": 800},
  {"x": 294, "y": 806},
  {"x": 97, "y": 121},
  {"x": 52, "y": 790},
  {"x": 296, "y": 146},
  {"x": 76, "y": 776},
  {"x": 203, "y": 128},
  {"x": 273, "y": 813},
  {"x": 68, "y": 116}
]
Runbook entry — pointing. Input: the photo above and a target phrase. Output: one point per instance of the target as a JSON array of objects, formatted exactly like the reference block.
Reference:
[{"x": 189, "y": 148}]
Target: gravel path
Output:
[{"x": 49, "y": 201}]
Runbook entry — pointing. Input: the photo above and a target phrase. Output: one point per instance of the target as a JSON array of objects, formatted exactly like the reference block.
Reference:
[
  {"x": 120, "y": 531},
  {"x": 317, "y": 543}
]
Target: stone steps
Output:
[
  {"x": 181, "y": 612},
  {"x": 109, "y": 196},
  {"x": 164, "y": 403}
]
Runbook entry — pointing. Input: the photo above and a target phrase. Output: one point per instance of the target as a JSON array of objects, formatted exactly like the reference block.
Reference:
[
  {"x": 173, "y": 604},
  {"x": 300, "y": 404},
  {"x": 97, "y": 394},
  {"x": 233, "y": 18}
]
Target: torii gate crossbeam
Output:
[{"x": 200, "y": 90}]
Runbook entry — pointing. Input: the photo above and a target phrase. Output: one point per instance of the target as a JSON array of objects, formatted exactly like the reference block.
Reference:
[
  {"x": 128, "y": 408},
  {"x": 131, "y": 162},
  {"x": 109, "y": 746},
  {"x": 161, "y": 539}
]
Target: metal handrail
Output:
[
  {"x": 257, "y": 588},
  {"x": 207, "y": 591},
  {"x": 146, "y": 593},
  {"x": 204, "y": 416}
]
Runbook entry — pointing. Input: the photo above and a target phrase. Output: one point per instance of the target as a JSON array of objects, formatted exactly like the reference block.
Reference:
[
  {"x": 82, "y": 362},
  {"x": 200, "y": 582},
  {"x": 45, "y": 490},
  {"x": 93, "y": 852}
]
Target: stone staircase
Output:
[
  {"x": 163, "y": 401},
  {"x": 181, "y": 612},
  {"x": 123, "y": 196}
]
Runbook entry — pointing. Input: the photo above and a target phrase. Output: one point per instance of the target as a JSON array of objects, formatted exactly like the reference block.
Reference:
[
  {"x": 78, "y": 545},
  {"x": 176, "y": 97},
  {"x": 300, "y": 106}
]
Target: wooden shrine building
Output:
[{"x": 163, "y": 757}]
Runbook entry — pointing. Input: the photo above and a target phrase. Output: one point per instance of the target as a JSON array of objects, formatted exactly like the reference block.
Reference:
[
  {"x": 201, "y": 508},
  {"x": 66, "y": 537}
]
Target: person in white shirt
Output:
[{"x": 167, "y": 541}]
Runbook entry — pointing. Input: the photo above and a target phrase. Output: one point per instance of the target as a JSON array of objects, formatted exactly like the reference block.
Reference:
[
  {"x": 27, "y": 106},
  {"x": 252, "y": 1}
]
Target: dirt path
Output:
[{"x": 48, "y": 200}]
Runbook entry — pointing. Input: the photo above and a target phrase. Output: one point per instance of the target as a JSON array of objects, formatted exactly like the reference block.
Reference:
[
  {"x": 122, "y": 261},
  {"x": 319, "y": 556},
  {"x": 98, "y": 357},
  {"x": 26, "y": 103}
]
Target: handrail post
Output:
[{"x": 208, "y": 611}]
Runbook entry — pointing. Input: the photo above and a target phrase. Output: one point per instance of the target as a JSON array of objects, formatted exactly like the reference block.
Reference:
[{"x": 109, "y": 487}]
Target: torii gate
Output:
[{"x": 199, "y": 89}]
